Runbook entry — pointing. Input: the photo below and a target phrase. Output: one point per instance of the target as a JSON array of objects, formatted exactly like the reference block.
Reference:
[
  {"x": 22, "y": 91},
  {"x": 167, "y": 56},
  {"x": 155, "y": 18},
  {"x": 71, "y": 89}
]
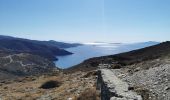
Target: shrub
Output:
[{"x": 50, "y": 84}]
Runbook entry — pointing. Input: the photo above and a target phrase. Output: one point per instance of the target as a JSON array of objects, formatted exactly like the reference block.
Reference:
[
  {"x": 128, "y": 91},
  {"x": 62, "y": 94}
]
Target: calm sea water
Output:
[{"x": 84, "y": 52}]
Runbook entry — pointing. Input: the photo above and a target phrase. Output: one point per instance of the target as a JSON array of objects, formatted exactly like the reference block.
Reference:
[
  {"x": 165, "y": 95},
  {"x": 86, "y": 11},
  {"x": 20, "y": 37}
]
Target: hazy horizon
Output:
[
  {"x": 117, "y": 21},
  {"x": 87, "y": 42}
]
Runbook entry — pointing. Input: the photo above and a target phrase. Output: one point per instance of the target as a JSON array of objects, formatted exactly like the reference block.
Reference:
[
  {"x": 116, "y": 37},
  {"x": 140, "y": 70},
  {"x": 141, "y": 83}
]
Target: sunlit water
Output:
[{"x": 84, "y": 52}]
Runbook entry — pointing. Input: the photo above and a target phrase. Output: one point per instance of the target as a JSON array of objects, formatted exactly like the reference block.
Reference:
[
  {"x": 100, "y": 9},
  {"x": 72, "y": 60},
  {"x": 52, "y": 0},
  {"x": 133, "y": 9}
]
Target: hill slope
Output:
[
  {"x": 22, "y": 57},
  {"x": 127, "y": 58},
  {"x": 14, "y": 65},
  {"x": 47, "y": 49}
]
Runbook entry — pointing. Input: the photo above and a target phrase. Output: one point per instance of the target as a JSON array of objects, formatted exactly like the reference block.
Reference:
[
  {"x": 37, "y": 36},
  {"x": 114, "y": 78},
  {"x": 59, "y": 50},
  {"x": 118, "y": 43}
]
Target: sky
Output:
[{"x": 86, "y": 20}]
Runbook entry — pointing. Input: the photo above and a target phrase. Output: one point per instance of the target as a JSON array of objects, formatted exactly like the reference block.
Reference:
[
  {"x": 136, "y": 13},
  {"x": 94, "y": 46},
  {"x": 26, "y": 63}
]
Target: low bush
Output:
[{"x": 50, "y": 84}]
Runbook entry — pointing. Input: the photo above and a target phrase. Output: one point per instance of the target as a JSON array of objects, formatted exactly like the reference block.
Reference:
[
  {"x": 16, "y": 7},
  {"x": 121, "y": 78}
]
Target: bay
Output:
[{"x": 91, "y": 50}]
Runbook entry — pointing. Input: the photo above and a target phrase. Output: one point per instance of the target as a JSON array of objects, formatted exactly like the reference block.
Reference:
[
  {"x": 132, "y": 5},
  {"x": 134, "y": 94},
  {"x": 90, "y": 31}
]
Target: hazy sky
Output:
[{"x": 86, "y": 20}]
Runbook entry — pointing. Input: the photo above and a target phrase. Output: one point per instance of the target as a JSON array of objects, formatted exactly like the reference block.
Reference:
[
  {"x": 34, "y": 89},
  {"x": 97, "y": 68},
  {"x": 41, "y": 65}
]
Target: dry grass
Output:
[
  {"x": 89, "y": 94},
  {"x": 28, "y": 88}
]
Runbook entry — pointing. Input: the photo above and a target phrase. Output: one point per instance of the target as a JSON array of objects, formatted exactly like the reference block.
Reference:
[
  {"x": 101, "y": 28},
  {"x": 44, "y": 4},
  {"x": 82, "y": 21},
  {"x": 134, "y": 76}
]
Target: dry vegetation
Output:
[
  {"x": 89, "y": 94},
  {"x": 57, "y": 87}
]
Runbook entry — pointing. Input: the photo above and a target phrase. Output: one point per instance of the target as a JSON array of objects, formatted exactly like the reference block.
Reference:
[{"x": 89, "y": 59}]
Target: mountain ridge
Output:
[
  {"x": 45, "y": 49},
  {"x": 23, "y": 57}
]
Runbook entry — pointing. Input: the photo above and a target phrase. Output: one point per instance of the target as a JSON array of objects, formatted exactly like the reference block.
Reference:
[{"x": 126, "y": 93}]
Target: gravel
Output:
[{"x": 155, "y": 80}]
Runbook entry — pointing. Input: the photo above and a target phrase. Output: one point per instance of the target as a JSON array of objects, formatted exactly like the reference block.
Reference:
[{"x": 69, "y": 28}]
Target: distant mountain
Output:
[
  {"x": 5, "y": 37},
  {"x": 135, "y": 46},
  {"x": 60, "y": 44},
  {"x": 46, "y": 49}
]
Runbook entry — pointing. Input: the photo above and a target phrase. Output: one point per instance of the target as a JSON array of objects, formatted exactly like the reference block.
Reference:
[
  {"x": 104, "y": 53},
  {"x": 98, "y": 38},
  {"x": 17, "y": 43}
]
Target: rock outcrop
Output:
[{"x": 151, "y": 79}]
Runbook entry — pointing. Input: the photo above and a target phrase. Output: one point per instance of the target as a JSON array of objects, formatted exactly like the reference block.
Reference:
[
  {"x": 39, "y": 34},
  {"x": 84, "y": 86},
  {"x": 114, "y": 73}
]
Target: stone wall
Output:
[{"x": 112, "y": 88}]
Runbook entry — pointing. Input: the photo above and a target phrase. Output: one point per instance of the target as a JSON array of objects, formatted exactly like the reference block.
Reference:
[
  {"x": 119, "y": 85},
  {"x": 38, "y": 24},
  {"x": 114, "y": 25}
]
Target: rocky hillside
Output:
[
  {"x": 14, "y": 65},
  {"x": 149, "y": 78},
  {"x": 46, "y": 49},
  {"x": 23, "y": 57}
]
